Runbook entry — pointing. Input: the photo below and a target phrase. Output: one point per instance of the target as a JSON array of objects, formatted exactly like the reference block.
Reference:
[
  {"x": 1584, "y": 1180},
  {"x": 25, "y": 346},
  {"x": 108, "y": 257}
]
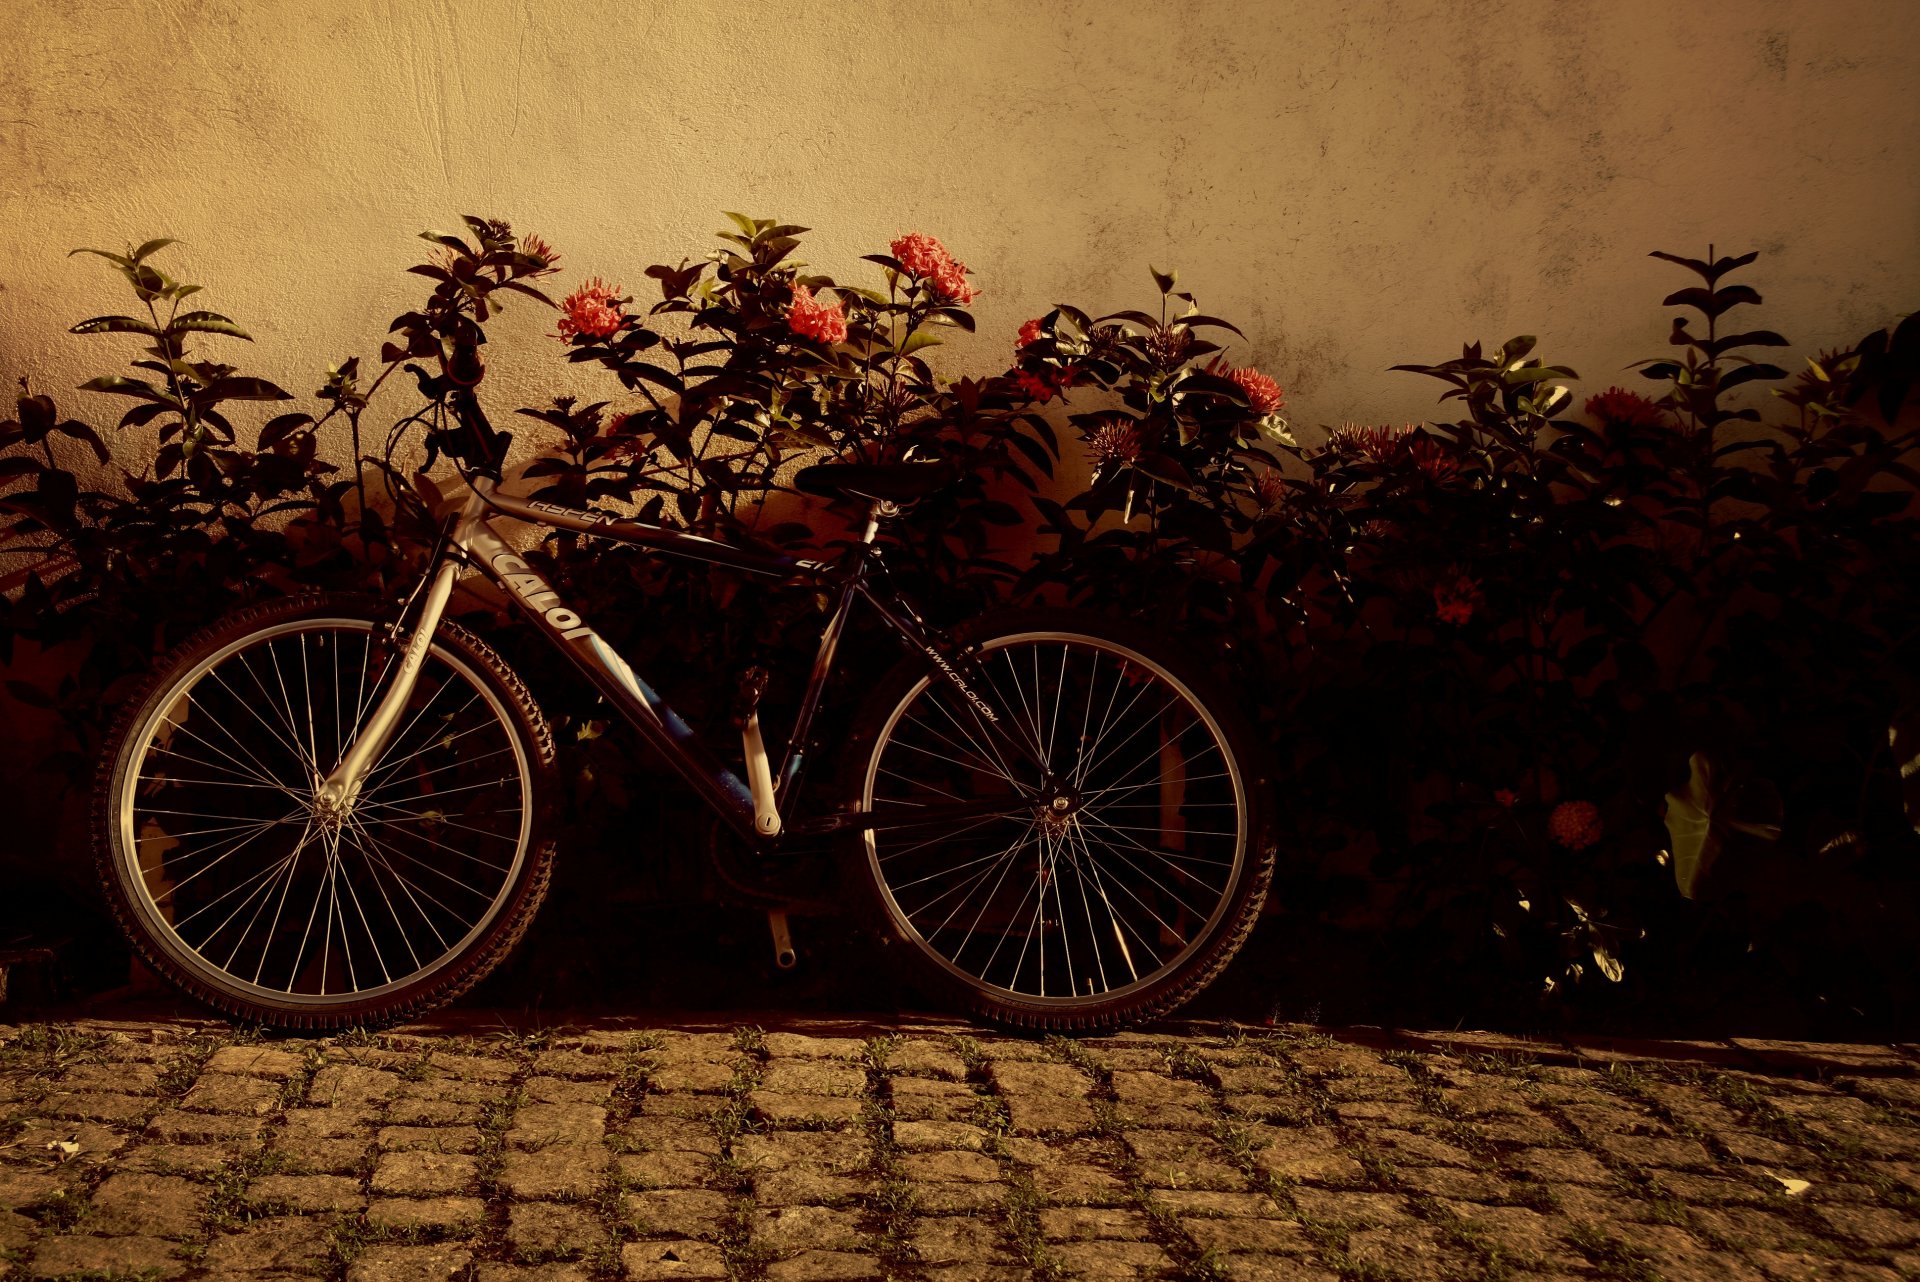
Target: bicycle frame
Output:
[{"x": 473, "y": 542}]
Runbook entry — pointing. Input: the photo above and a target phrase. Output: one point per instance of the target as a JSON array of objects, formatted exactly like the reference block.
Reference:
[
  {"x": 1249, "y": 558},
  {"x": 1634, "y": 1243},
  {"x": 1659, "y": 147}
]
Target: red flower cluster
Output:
[
  {"x": 1454, "y": 599},
  {"x": 1575, "y": 824},
  {"x": 1617, "y": 407},
  {"x": 1507, "y": 797},
  {"x": 1114, "y": 441},
  {"x": 1030, "y": 333},
  {"x": 1270, "y": 492},
  {"x": 927, "y": 259},
  {"x": 592, "y": 310},
  {"x": 811, "y": 318},
  {"x": 1263, "y": 394},
  {"x": 1043, "y": 385},
  {"x": 1376, "y": 444},
  {"x": 539, "y": 250},
  {"x": 1431, "y": 458}
]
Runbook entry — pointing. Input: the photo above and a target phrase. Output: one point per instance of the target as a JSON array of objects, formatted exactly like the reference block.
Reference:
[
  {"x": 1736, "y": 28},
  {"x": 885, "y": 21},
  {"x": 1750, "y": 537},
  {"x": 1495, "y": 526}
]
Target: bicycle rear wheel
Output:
[
  {"x": 1115, "y": 877},
  {"x": 236, "y": 886}
]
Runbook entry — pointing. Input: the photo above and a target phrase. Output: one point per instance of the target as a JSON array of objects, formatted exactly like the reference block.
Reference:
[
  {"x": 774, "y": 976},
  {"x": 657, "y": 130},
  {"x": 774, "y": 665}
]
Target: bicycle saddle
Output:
[{"x": 882, "y": 482}]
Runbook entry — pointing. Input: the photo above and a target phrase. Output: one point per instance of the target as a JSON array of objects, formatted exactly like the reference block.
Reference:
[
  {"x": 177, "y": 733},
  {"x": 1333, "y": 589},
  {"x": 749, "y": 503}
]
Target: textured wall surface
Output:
[{"x": 1356, "y": 185}]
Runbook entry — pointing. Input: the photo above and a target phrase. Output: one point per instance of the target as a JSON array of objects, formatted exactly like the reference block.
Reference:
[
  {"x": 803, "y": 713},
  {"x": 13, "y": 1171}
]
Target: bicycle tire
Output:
[
  {"x": 1188, "y": 900},
  {"x": 458, "y": 880}
]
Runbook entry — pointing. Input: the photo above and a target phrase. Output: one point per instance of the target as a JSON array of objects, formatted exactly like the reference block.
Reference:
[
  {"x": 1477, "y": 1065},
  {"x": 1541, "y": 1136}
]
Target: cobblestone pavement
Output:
[{"x": 811, "y": 1150}]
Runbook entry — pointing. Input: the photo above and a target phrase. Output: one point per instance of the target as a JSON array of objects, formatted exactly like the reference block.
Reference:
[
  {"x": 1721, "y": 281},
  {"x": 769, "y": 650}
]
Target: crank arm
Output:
[{"x": 867, "y": 821}]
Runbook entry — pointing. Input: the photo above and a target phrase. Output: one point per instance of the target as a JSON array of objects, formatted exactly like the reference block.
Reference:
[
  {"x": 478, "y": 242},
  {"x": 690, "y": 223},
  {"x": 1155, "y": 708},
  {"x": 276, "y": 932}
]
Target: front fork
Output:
[{"x": 337, "y": 793}]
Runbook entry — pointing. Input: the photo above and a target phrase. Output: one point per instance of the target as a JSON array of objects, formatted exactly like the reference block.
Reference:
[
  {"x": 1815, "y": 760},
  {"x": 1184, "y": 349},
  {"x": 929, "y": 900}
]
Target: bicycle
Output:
[{"x": 322, "y": 812}]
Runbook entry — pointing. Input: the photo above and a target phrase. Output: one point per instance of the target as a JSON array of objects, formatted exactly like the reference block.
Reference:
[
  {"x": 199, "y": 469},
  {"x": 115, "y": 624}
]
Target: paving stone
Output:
[
  {"x": 1049, "y": 1114},
  {"x": 1205, "y": 1202},
  {"x": 567, "y": 1090},
  {"x": 959, "y": 1199},
  {"x": 96, "y": 1108},
  {"x": 813, "y": 1077},
  {"x": 801, "y": 1228},
  {"x": 562, "y": 1171},
  {"x": 16, "y": 1232},
  {"x": 698, "y": 1213},
  {"x": 1560, "y": 1166},
  {"x": 830, "y": 1111},
  {"x": 431, "y": 1139},
  {"x": 1257, "y": 1079},
  {"x": 665, "y": 1261},
  {"x": 414, "y": 1213},
  {"x": 1282, "y": 1237},
  {"x": 551, "y": 1230},
  {"x": 350, "y": 1086},
  {"x": 473, "y": 1068},
  {"x": 494, "y": 1271},
  {"x": 925, "y": 1059},
  {"x": 318, "y": 1156},
  {"x": 1411, "y": 1148},
  {"x": 949, "y": 1165},
  {"x": 285, "y": 1242},
  {"x": 386, "y": 1262},
  {"x": 539, "y": 1125},
  {"x": 837, "y": 1154},
  {"x": 1343, "y": 1061},
  {"x": 1407, "y": 1251},
  {"x": 781, "y": 1045},
  {"x": 1746, "y": 1227},
  {"x": 1246, "y": 1267},
  {"x": 699, "y": 1077},
  {"x": 1712, "y": 1190},
  {"x": 421, "y": 1173},
  {"x": 566, "y": 1062},
  {"x": 1305, "y": 1153},
  {"x": 1517, "y": 1230},
  {"x": 97, "y": 1143},
  {"x": 1085, "y": 1224},
  {"x": 1180, "y": 1160},
  {"x": 230, "y": 1093},
  {"x": 1871, "y": 1226},
  {"x": 665, "y": 1170},
  {"x": 1111, "y": 1261},
  {"x": 62, "y": 1257},
  {"x": 672, "y": 1135},
  {"x": 1888, "y": 1092},
  {"x": 807, "y": 1187},
  {"x": 325, "y": 1123},
  {"x": 1451, "y": 1181},
  {"x": 112, "y": 1079},
  {"x": 1079, "y": 1184},
  {"x": 255, "y": 1061},
  {"x": 1644, "y": 1150},
  {"x": 953, "y": 1239},
  {"x": 824, "y": 1266},
  {"x": 434, "y": 1112},
  {"x": 1329, "y": 1207},
  {"x": 150, "y": 1205},
  {"x": 1015, "y": 1079},
  {"x": 28, "y": 1188},
  {"x": 307, "y": 1193},
  {"x": 178, "y": 1126},
  {"x": 938, "y": 1135},
  {"x": 1800, "y": 1266}
]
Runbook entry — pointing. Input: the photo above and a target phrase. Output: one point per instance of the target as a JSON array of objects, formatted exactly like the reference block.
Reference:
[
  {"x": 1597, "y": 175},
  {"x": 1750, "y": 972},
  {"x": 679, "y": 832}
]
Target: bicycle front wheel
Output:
[
  {"x": 235, "y": 885},
  {"x": 1122, "y": 858}
]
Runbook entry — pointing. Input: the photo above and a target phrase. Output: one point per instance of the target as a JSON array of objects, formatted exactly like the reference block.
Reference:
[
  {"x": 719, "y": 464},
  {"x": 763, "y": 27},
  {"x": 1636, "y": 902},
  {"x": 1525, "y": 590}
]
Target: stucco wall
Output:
[{"x": 1357, "y": 185}]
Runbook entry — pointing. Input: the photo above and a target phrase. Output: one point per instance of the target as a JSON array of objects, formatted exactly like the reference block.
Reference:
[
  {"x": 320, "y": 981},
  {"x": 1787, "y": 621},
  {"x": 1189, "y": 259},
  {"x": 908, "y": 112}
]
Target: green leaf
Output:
[
  {"x": 450, "y": 241},
  {"x": 153, "y": 247},
  {"x": 242, "y": 389},
  {"x": 115, "y": 325},
  {"x": 917, "y": 340},
  {"x": 1700, "y": 817},
  {"x": 115, "y": 385},
  {"x": 1165, "y": 280},
  {"x": 1711, "y": 303},
  {"x": 118, "y": 260},
  {"x": 208, "y": 323}
]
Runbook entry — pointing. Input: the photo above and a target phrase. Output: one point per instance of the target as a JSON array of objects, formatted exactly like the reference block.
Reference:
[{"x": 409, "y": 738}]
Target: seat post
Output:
[{"x": 881, "y": 510}]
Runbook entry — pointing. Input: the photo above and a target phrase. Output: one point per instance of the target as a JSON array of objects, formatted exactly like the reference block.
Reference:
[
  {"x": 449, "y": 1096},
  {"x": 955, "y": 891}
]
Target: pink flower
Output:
[
  {"x": 592, "y": 310},
  {"x": 927, "y": 259},
  {"x": 1575, "y": 824},
  {"x": 1507, "y": 797},
  {"x": 1114, "y": 441},
  {"x": 1030, "y": 333},
  {"x": 1454, "y": 599},
  {"x": 1263, "y": 394},
  {"x": 1617, "y": 407},
  {"x": 810, "y": 318},
  {"x": 1037, "y": 387}
]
